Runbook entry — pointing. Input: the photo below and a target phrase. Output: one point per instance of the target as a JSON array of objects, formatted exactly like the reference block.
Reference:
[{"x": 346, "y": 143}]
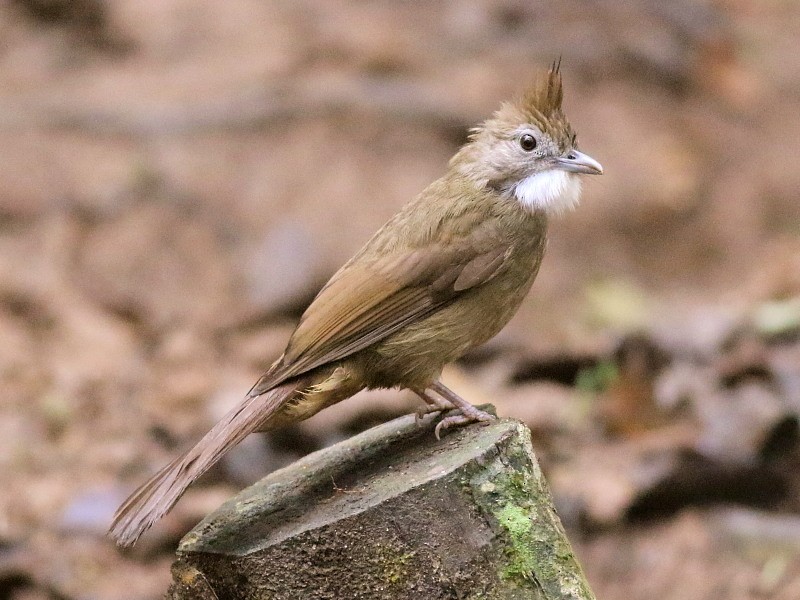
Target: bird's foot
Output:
[
  {"x": 432, "y": 405},
  {"x": 466, "y": 414},
  {"x": 458, "y": 418}
]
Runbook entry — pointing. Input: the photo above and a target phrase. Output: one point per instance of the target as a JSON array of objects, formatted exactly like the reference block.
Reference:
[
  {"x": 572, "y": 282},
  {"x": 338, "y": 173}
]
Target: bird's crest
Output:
[
  {"x": 539, "y": 105},
  {"x": 544, "y": 97}
]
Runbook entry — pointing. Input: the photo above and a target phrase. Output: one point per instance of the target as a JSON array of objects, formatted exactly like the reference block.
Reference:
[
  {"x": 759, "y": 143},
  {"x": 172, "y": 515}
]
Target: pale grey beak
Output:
[{"x": 578, "y": 162}]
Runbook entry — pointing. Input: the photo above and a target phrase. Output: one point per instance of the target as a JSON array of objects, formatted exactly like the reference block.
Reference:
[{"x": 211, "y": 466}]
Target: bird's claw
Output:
[
  {"x": 462, "y": 417},
  {"x": 433, "y": 405}
]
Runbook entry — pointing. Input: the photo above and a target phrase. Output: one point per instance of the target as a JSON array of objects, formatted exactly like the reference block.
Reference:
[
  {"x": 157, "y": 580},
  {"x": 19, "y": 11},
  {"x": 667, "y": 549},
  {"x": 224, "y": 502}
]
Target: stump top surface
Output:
[{"x": 340, "y": 481}]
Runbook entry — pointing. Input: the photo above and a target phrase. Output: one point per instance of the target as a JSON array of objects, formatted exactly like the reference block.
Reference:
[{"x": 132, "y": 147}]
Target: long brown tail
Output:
[{"x": 157, "y": 496}]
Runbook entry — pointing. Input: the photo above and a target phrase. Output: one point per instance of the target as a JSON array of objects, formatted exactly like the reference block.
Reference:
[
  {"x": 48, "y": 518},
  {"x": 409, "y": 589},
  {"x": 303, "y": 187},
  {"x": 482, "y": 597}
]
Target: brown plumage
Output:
[{"x": 442, "y": 276}]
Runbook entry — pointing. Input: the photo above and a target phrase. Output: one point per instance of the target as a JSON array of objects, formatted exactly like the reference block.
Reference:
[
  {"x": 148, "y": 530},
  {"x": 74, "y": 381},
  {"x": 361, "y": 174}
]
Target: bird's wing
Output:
[{"x": 367, "y": 301}]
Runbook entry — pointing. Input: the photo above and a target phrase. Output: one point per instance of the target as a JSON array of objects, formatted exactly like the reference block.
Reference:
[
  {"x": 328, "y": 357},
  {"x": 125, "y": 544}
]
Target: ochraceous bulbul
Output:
[{"x": 442, "y": 276}]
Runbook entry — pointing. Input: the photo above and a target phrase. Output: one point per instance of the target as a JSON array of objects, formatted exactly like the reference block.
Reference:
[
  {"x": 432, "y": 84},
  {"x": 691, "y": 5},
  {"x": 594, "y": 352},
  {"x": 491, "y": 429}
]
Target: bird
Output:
[{"x": 441, "y": 277}]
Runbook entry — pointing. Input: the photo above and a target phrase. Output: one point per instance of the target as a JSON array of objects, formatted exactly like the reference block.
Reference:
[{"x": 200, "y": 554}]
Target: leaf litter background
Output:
[{"x": 178, "y": 177}]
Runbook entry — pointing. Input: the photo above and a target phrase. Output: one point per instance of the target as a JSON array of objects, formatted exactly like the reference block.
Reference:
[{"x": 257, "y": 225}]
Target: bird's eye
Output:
[{"x": 527, "y": 142}]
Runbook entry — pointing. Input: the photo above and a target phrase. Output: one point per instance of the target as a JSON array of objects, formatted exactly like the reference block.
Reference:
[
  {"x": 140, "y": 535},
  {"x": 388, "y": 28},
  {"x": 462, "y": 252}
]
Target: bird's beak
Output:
[{"x": 578, "y": 162}]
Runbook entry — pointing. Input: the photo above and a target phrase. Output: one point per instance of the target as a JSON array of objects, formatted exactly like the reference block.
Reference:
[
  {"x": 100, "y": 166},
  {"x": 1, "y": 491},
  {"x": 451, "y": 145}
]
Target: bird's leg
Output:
[
  {"x": 468, "y": 413},
  {"x": 432, "y": 404}
]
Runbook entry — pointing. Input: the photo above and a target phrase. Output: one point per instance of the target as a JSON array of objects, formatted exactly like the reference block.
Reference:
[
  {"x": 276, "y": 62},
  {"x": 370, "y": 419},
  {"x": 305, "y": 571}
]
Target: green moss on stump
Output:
[
  {"x": 513, "y": 491},
  {"x": 522, "y": 559}
]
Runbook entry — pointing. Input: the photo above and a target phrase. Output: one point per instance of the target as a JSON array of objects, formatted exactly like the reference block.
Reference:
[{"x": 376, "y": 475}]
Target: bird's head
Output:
[{"x": 528, "y": 150}]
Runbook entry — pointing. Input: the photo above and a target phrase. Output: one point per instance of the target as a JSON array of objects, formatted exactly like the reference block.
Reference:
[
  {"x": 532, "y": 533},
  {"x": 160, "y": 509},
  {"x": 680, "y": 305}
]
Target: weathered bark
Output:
[{"x": 390, "y": 513}]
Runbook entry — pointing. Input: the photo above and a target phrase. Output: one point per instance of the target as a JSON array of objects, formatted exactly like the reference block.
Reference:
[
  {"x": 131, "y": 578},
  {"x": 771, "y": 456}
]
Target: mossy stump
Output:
[{"x": 390, "y": 513}]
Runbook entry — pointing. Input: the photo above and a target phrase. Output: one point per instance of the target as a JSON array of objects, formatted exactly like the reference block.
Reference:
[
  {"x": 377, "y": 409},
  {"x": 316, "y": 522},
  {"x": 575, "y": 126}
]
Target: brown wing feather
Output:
[{"x": 365, "y": 303}]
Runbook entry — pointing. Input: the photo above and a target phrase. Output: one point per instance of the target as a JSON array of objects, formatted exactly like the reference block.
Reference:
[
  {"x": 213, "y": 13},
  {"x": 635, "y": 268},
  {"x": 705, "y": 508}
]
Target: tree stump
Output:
[{"x": 391, "y": 513}]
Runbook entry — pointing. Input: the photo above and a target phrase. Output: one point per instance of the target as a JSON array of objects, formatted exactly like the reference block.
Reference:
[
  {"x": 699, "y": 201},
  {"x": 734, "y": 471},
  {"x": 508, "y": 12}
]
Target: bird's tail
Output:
[{"x": 157, "y": 496}]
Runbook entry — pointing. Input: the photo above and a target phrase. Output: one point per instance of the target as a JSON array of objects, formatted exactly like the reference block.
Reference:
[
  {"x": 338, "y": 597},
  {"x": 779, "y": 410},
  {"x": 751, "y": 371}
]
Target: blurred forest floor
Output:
[{"x": 178, "y": 177}]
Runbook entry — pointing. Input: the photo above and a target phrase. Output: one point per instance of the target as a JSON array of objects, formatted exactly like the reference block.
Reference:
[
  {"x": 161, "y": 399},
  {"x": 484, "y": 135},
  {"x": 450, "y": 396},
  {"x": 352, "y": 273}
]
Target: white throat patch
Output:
[{"x": 554, "y": 191}]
